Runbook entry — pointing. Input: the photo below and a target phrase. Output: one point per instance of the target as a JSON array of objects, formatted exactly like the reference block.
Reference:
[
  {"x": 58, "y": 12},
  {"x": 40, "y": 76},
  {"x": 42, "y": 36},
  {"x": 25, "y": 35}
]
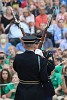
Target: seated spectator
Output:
[
  {"x": 59, "y": 67},
  {"x": 64, "y": 54},
  {"x": 41, "y": 19},
  {"x": 14, "y": 4},
  {"x": 4, "y": 44},
  {"x": 57, "y": 82},
  {"x": 7, "y": 17},
  {"x": 63, "y": 44},
  {"x": 61, "y": 15},
  {"x": 34, "y": 8},
  {"x": 14, "y": 34},
  {"x": 11, "y": 87},
  {"x": 29, "y": 19},
  {"x": 31, "y": 23},
  {"x": 20, "y": 46},
  {"x": 12, "y": 51},
  {"x": 20, "y": 12},
  {"x": 52, "y": 27},
  {"x": 56, "y": 8},
  {"x": 41, "y": 3},
  {"x": 60, "y": 32},
  {"x": 5, "y": 78},
  {"x": 24, "y": 16},
  {"x": 15, "y": 31},
  {"x": 48, "y": 5},
  {"x": 7, "y": 66},
  {"x": 57, "y": 61},
  {"x": 31, "y": 5}
]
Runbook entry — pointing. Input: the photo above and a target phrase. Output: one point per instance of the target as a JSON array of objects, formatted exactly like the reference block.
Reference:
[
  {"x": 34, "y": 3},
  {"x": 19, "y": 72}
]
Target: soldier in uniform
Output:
[{"x": 31, "y": 73}]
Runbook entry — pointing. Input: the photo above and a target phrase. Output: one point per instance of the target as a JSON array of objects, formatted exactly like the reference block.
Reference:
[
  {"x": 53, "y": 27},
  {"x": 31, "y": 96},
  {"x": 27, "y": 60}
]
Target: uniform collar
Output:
[{"x": 29, "y": 50}]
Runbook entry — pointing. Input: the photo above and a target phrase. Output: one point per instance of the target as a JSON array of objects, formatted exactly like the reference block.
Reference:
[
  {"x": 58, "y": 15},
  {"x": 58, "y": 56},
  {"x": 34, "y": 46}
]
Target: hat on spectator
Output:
[
  {"x": 23, "y": 4},
  {"x": 29, "y": 39}
]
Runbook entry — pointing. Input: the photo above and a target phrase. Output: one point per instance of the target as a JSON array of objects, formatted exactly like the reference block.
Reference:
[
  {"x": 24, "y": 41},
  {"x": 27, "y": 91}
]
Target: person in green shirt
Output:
[
  {"x": 57, "y": 82},
  {"x": 10, "y": 90},
  {"x": 5, "y": 78},
  {"x": 11, "y": 87},
  {"x": 7, "y": 61},
  {"x": 59, "y": 68}
]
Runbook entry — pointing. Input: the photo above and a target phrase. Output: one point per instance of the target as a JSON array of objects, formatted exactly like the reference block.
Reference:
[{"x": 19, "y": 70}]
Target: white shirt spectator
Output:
[
  {"x": 25, "y": 27},
  {"x": 15, "y": 31},
  {"x": 29, "y": 19}
]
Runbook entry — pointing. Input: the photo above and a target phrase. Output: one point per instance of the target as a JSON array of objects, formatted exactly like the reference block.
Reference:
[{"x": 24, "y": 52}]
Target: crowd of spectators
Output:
[{"x": 33, "y": 17}]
